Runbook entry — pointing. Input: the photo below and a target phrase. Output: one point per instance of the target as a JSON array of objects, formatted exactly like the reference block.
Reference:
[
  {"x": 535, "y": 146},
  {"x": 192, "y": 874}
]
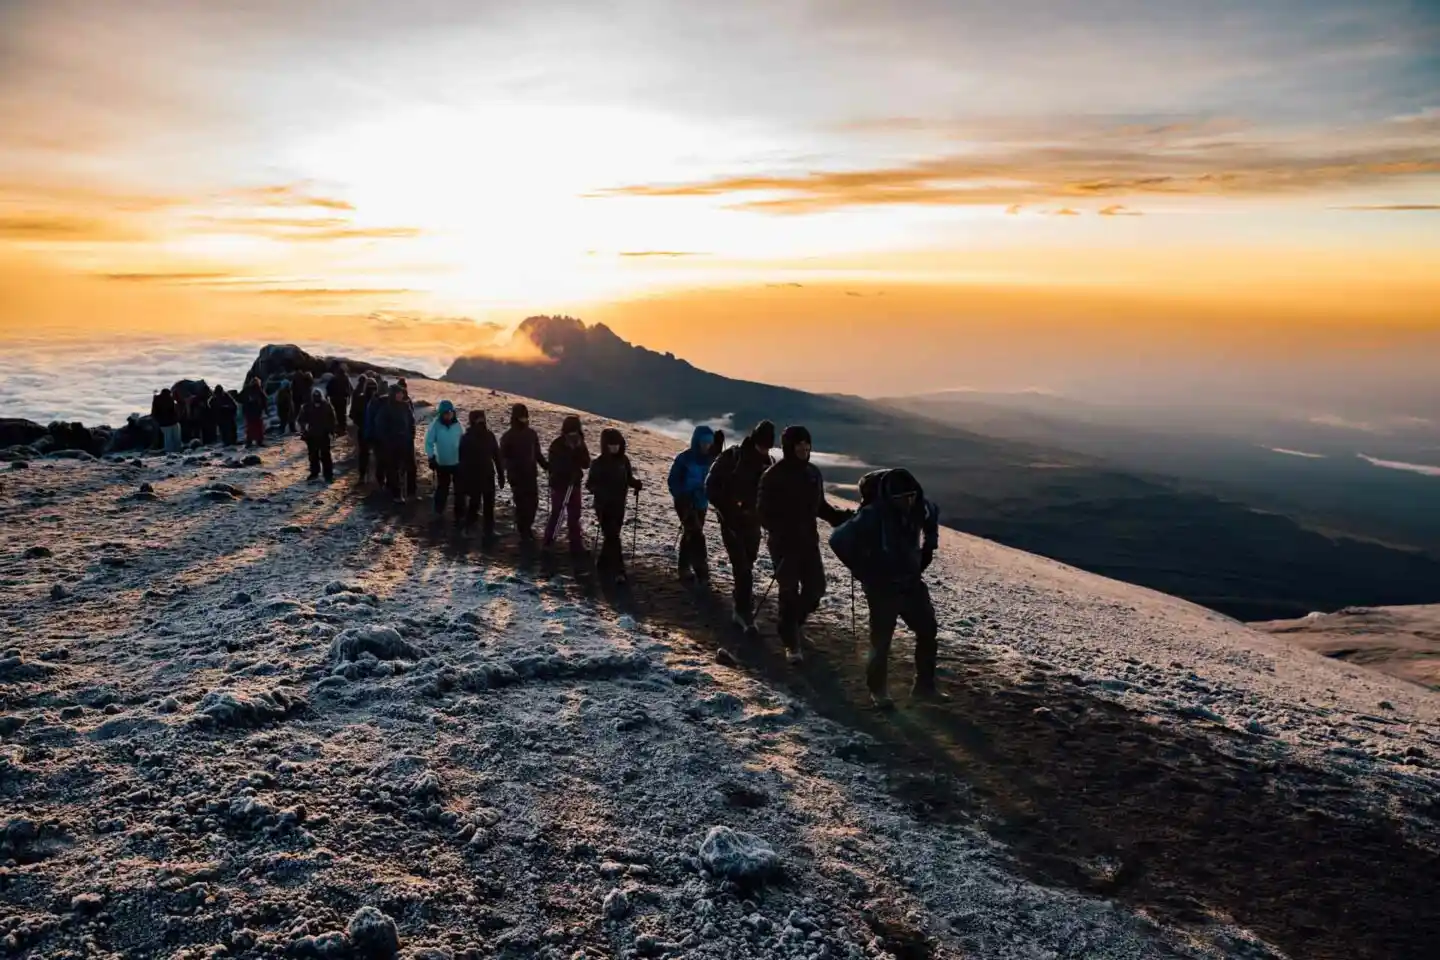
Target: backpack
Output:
[{"x": 870, "y": 485}]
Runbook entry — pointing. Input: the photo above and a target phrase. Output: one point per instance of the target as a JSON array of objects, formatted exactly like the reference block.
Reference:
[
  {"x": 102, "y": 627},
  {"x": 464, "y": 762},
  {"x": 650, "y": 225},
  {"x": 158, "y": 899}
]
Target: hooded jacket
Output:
[
  {"x": 480, "y": 464},
  {"x": 567, "y": 463},
  {"x": 254, "y": 403},
  {"x": 442, "y": 440},
  {"x": 359, "y": 400},
  {"x": 792, "y": 496},
  {"x": 687, "y": 472},
  {"x": 222, "y": 405},
  {"x": 733, "y": 484},
  {"x": 520, "y": 448},
  {"x": 285, "y": 400},
  {"x": 394, "y": 425},
  {"x": 317, "y": 418},
  {"x": 611, "y": 476},
  {"x": 302, "y": 384},
  {"x": 338, "y": 389},
  {"x": 885, "y": 543},
  {"x": 162, "y": 409}
]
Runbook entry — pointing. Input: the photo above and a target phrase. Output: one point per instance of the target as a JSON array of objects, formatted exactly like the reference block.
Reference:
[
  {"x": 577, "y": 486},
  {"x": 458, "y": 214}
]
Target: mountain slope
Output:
[
  {"x": 1220, "y": 551},
  {"x": 1401, "y": 641},
  {"x": 213, "y": 739}
]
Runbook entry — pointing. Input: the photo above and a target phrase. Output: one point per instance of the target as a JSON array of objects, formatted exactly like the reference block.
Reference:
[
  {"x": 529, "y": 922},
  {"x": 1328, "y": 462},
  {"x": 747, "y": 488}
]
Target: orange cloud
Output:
[
  {"x": 66, "y": 228},
  {"x": 1119, "y": 210},
  {"x": 660, "y": 253},
  {"x": 1395, "y": 206}
]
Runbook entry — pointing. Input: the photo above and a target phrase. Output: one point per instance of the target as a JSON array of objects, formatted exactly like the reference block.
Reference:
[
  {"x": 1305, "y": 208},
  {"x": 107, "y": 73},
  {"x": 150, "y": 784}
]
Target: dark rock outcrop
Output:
[{"x": 278, "y": 362}]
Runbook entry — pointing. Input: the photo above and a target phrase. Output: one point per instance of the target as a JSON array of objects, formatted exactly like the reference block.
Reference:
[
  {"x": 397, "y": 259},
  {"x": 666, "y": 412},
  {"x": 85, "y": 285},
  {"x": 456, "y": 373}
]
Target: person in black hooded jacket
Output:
[
  {"x": 480, "y": 472},
  {"x": 523, "y": 458},
  {"x": 611, "y": 481},
  {"x": 733, "y": 487},
  {"x": 792, "y": 497},
  {"x": 338, "y": 393},
  {"x": 569, "y": 459},
  {"x": 223, "y": 409}
]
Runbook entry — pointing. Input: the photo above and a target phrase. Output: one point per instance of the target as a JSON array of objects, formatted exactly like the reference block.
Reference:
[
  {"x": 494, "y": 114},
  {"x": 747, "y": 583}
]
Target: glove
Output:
[
  {"x": 434, "y": 464},
  {"x": 927, "y": 555}
]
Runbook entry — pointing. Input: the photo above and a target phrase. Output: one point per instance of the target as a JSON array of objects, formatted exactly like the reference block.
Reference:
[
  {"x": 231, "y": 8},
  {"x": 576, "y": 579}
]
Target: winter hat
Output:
[
  {"x": 792, "y": 437},
  {"x": 764, "y": 433},
  {"x": 571, "y": 424},
  {"x": 396, "y": 389},
  {"x": 519, "y": 412},
  {"x": 477, "y": 418},
  {"x": 610, "y": 436},
  {"x": 445, "y": 407}
]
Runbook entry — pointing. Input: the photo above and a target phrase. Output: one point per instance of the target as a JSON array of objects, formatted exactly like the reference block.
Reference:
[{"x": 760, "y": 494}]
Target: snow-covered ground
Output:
[{"x": 286, "y": 719}]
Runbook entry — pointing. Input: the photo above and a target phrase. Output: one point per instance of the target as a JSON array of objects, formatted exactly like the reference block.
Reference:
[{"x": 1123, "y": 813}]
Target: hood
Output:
[
  {"x": 477, "y": 420},
  {"x": 395, "y": 391},
  {"x": 608, "y": 436},
  {"x": 445, "y": 407},
  {"x": 702, "y": 434},
  {"x": 792, "y": 436},
  {"x": 316, "y": 396},
  {"x": 764, "y": 434},
  {"x": 370, "y": 387},
  {"x": 517, "y": 413},
  {"x": 571, "y": 424}
]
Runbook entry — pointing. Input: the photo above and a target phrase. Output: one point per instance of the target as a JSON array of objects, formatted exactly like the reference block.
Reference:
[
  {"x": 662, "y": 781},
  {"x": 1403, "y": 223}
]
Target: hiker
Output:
[
  {"x": 167, "y": 418},
  {"x": 317, "y": 423},
  {"x": 302, "y": 385},
  {"x": 359, "y": 413},
  {"x": 792, "y": 496},
  {"x": 373, "y": 409},
  {"x": 733, "y": 487},
  {"x": 569, "y": 458},
  {"x": 481, "y": 472},
  {"x": 395, "y": 435},
  {"x": 523, "y": 459},
  {"x": 185, "y": 413},
  {"x": 357, "y": 403},
  {"x": 222, "y": 408},
  {"x": 338, "y": 390},
  {"x": 285, "y": 407},
  {"x": 254, "y": 404},
  {"x": 206, "y": 415},
  {"x": 442, "y": 451},
  {"x": 611, "y": 481},
  {"x": 687, "y": 489},
  {"x": 888, "y": 545}
]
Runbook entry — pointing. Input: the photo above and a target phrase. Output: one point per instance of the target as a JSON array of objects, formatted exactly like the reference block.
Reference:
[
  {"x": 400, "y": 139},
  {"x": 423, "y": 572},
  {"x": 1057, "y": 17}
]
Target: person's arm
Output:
[
  {"x": 718, "y": 482},
  {"x": 633, "y": 482},
  {"x": 675, "y": 482},
  {"x": 582, "y": 459},
  {"x": 766, "y": 504},
  {"x": 932, "y": 534},
  {"x": 494, "y": 453},
  {"x": 539, "y": 454},
  {"x": 829, "y": 513},
  {"x": 430, "y": 439}
]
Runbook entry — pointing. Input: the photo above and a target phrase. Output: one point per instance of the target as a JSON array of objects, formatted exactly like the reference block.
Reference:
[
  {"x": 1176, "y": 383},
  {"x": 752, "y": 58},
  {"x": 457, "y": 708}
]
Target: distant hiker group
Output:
[{"x": 887, "y": 544}]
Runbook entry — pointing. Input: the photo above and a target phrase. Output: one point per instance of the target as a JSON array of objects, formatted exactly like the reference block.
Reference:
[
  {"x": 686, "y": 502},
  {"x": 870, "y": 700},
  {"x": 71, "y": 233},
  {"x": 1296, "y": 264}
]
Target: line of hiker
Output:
[{"x": 887, "y": 544}]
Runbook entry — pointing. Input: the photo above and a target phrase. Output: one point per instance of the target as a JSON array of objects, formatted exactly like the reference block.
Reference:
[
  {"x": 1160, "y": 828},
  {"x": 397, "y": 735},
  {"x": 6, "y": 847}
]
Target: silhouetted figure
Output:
[
  {"x": 285, "y": 401},
  {"x": 442, "y": 452},
  {"x": 302, "y": 385},
  {"x": 611, "y": 481},
  {"x": 167, "y": 418},
  {"x": 395, "y": 434},
  {"x": 569, "y": 458},
  {"x": 481, "y": 470},
  {"x": 687, "y": 489},
  {"x": 205, "y": 413},
  {"x": 317, "y": 423},
  {"x": 338, "y": 390},
  {"x": 792, "y": 497},
  {"x": 733, "y": 487},
  {"x": 254, "y": 404},
  {"x": 888, "y": 545},
  {"x": 359, "y": 412},
  {"x": 523, "y": 459},
  {"x": 223, "y": 409}
]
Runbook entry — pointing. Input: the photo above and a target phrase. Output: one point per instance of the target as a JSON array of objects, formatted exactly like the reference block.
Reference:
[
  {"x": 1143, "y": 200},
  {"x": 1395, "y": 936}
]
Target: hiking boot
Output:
[
  {"x": 929, "y": 693},
  {"x": 882, "y": 701}
]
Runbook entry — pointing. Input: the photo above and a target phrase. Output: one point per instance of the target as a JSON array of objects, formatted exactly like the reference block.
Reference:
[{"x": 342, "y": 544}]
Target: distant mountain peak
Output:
[{"x": 562, "y": 336}]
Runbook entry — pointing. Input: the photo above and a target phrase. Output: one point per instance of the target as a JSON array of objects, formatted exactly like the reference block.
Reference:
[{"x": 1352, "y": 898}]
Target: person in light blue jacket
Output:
[
  {"x": 442, "y": 449},
  {"x": 687, "y": 489}
]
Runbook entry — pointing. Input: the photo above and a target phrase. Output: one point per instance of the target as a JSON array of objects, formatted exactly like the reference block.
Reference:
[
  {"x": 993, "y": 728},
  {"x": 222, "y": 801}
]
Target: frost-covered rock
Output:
[
  {"x": 244, "y": 708},
  {"x": 373, "y": 934},
  {"x": 617, "y": 904},
  {"x": 382, "y": 642},
  {"x": 737, "y": 855}
]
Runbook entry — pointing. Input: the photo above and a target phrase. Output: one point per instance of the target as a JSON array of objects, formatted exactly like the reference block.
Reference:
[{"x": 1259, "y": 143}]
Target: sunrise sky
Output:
[{"x": 923, "y": 194}]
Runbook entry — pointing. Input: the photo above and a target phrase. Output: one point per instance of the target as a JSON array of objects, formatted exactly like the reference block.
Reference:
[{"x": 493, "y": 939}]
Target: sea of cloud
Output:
[
  {"x": 95, "y": 383},
  {"x": 682, "y": 429}
]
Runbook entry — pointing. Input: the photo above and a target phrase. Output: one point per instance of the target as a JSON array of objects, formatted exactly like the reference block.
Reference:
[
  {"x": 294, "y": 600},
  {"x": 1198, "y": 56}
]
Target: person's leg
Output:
[
  {"x": 812, "y": 581},
  {"x": 699, "y": 548},
  {"x": 918, "y": 612},
  {"x": 487, "y": 510},
  {"x": 442, "y": 488},
  {"x": 787, "y": 593},
  {"x": 741, "y": 572},
  {"x": 883, "y": 610},
  {"x": 552, "y": 522},
  {"x": 463, "y": 499},
  {"x": 312, "y": 450},
  {"x": 363, "y": 452},
  {"x": 527, "y": 503},
  {"x": 392, "y": 473},
  {"x": 326, "y": 464}
]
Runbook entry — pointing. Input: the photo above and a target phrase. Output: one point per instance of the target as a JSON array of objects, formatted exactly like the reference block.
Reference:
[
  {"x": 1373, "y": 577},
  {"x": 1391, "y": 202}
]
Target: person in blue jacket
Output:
[
  {"x": 442, "y": 451},
  {"x": 687, "y": 489},
  {"x": 888, "y": 545}
]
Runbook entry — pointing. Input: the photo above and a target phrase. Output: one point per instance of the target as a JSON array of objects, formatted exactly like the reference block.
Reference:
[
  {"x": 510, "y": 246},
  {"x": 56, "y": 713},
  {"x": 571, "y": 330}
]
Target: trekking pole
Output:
[
  {"x": 766, "y": 595},
  {"x": 635, "y": 528}
]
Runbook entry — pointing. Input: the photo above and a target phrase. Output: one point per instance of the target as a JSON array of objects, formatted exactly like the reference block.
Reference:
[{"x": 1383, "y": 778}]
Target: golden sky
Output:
[{"x": 734, "y": 181}]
